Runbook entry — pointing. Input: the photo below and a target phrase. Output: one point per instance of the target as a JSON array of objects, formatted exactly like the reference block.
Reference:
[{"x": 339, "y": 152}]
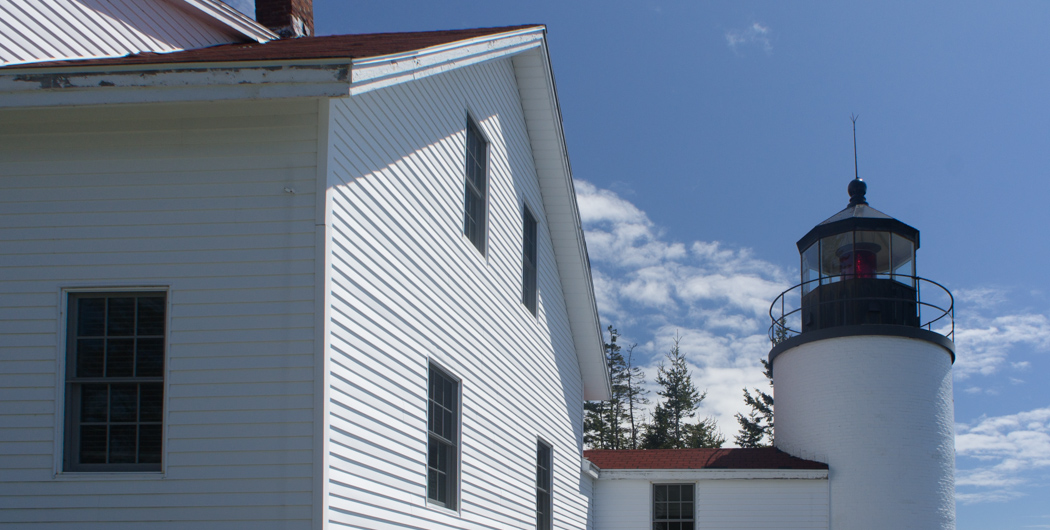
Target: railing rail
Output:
[{"x": 785, "y": 311}]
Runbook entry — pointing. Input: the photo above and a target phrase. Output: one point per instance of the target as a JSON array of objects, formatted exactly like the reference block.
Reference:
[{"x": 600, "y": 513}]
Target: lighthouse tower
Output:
[{"x": 862, "y": 364}]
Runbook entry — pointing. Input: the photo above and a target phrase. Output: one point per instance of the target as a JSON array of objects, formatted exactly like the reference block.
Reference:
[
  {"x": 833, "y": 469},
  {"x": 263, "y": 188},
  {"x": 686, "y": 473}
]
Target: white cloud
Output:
[
  {"x": 1005, "y": 449},
  {"x": 715, "y": 297},
  {"x": 757, "y": 34},
  {"x": 983, "y": 344}
]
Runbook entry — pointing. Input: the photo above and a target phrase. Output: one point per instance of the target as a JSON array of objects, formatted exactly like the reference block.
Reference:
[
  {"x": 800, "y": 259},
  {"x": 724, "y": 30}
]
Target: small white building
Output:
[
  {"x": 687, "y": 489},
  {"x": 249, "y": 282}
]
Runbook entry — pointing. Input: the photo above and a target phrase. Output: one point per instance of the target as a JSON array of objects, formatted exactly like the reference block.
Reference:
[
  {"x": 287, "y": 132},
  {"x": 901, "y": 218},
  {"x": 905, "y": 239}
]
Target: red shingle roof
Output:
[
  {"x": 760, "y": 458},
  {"x": 327, "y": 47}
]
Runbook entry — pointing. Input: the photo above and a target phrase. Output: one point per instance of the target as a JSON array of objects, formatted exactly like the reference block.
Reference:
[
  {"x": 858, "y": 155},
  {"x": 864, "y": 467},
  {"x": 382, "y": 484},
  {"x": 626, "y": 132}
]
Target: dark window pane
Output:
[
  {"x": 149, "y": 444},
  {"x": 94, "y": 403},
  {"x": 123, "y": 403},
  {"x": 673, "y": 493},
  {"x": 687, "y": 510},
  {"x": 149, "y": 358},
  {"x": 687, "y": 525},
  {"x": 151, "y": 402},
  {"x": 674, "y": 510},
  {"x": 659, "y": 526},
  {"x": 93, "y": 444},
  {"x": 660, "y": 493},
  {"x": 432, "y": 484},
  {"x": 90, "y": 357},
  {"x": 91, "y": 317},
  {"x": 660, "y": 510},
  {"x": 120, "y": 357},
  {"x": 151, "y": 316},
  {"x": 120, "y": 319},
  {"x": 122, "y": 441}
]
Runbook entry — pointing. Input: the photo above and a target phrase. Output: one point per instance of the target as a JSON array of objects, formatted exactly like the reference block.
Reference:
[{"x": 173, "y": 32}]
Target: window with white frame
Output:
[
  {"x": 443, "y": 438},
  {"x": 475, "y": 188},
  {"x": 544, "y": 486},
  {"x": 528, "y": 260},
  {"x": 673, "y": 507},
  {"x": 115, "y": 381}
]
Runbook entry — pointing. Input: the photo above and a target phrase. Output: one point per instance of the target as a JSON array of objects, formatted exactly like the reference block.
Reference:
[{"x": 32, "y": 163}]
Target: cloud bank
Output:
[{"x": 1009, "y": 452}]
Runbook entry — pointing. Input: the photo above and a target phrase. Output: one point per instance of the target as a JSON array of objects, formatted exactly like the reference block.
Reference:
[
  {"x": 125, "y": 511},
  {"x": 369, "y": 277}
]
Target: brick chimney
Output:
[{"x": 287, "y": 18}]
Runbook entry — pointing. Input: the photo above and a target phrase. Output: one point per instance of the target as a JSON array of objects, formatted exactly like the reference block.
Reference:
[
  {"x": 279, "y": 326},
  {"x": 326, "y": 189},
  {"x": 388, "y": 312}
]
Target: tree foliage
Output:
[
  {"x": 756, "y": 429},
  {"x": 611, "y": 424},
  {"x": 670, "y": 428}
]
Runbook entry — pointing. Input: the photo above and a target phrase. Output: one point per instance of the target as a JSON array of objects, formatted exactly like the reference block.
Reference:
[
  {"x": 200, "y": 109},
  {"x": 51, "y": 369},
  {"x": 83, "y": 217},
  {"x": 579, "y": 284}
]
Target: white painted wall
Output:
[
  {"x": 626, "y": 504},
  {"x": 407, "y": 287},
  {"x": 879, "y": 411},
  {"x": 190, "y": 197},
  {"x": 36, "y": 30}
]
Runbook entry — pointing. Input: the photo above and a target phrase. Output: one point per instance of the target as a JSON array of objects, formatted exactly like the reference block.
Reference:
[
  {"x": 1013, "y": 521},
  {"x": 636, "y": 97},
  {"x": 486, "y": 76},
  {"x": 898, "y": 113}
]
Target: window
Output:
[
  {"x": 442, "y": 443},
  {"x": 474, "y": 201},
  {"x": 528, "y": 260},
  {"x": 673, "y": 507},
  {"x": 543, "y": 486},
  {"x": 115, "y": 381}
]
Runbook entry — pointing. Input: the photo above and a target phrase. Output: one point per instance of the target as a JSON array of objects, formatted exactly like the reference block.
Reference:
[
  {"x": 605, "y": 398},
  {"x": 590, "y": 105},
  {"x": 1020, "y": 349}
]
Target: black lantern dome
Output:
[{"x": 859, "y": 278}]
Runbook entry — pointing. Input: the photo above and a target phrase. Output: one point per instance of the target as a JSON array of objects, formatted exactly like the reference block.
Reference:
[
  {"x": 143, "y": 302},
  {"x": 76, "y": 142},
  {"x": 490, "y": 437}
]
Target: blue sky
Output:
[{"x": 707, "y": 137}]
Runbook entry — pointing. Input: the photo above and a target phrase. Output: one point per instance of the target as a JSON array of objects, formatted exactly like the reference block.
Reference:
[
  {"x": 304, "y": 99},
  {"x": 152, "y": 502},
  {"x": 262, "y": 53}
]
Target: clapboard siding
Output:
[
  {"x": 190, "y": 197},
  {"x": 407, "y": 288},
  {"x": 751, "y": 504},
  {"x": 70, "y": 29}
]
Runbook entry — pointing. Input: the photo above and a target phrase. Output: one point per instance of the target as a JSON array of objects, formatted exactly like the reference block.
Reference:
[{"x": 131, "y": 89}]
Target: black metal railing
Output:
[{"x": 932, "y": 303}]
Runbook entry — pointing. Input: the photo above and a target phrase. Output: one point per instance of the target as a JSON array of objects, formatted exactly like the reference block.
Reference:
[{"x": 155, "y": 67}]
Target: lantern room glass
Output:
[
  {"x": 810, "y": 267},
  {"x": 903, "y": 260},
  {"x": 858, "y": 254}
]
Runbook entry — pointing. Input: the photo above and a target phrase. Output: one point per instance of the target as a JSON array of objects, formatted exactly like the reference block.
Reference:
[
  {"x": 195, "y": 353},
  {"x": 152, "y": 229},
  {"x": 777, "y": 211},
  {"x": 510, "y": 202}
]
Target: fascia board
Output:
[
  {"x": 543, "y": 119},
  {"x": 687, "y": 475},
  {"x": 370, "y": 73},
  {"x": 232, "y": 19},
  {"x": 36, "y": 88}
]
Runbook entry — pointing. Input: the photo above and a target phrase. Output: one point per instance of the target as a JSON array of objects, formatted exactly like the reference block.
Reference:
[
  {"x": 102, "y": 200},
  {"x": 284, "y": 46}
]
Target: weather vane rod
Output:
[{"x": 856, "y": 174}]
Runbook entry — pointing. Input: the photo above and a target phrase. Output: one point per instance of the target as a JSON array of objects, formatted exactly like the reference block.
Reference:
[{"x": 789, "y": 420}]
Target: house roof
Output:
[
  {"x": 326, "y": 47},
  {"x": 757, "y": 458}
]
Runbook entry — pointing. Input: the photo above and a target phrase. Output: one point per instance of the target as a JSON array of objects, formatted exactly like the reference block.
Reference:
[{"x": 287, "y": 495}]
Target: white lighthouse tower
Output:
[{"x": 862, "y": 366}]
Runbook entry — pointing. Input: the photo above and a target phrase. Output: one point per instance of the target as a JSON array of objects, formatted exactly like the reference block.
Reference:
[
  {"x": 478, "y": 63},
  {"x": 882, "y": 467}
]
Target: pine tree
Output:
[
  {"x": 669, "y": 428},
  {"x": 604, "y": 421},
  {"x": 757, "y": 427},
  {"x": 635, "y": 398},
  {"x": 704, "y": 434}
]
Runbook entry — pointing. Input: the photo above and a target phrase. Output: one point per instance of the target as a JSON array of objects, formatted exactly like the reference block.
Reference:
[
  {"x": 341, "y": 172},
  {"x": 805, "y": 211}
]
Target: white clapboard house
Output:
[{"x": 260, "y": 282}]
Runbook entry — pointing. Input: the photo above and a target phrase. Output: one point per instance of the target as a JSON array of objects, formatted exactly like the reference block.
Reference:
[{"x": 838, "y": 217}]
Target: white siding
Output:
[
  {"x": 408, "y": 287},
  {"x": 191, "y": 197},
  {"x": 753, "y": 504},
  {"x": 35, "y": 30}
]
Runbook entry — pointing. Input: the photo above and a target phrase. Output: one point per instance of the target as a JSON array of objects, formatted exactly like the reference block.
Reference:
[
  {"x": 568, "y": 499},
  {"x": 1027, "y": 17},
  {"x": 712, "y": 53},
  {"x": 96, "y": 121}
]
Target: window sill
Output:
[{"x": 109, "y": 475}]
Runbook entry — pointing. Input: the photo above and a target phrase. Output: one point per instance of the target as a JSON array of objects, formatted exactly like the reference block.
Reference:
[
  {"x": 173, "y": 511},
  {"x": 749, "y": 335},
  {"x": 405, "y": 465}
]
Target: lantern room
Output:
[{"x": 858, "y": 267}]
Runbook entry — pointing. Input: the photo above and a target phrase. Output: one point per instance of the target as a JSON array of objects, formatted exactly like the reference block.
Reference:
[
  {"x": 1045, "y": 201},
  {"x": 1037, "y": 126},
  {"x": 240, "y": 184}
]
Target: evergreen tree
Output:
[
  {"x": 669, "y": 428},
  {"x": 658, "y": 430},
  {"x": 635, "y": 398},
  {"x": 604, "y": 421},
  {"x": 704, "y": 434},
  {"x": 756, "y": 429}
]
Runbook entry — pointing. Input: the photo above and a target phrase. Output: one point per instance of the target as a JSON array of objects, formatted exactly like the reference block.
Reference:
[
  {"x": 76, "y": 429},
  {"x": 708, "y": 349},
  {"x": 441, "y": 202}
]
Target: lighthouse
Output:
[{"x": 862, "y": 366}]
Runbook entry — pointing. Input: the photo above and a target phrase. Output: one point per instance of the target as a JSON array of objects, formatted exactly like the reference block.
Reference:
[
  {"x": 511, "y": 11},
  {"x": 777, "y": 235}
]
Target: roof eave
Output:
[
  {"x": 232, "y": 19},
  {"x": 322, "y": 77},
  {"x": 712, "y": 474},
  {"x": 543, "y": 119}
]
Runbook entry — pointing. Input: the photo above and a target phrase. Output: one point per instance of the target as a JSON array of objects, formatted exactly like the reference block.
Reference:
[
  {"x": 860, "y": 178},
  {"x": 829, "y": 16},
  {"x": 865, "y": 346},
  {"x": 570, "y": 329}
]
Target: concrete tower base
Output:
[{"x": 879, "y": 411}]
